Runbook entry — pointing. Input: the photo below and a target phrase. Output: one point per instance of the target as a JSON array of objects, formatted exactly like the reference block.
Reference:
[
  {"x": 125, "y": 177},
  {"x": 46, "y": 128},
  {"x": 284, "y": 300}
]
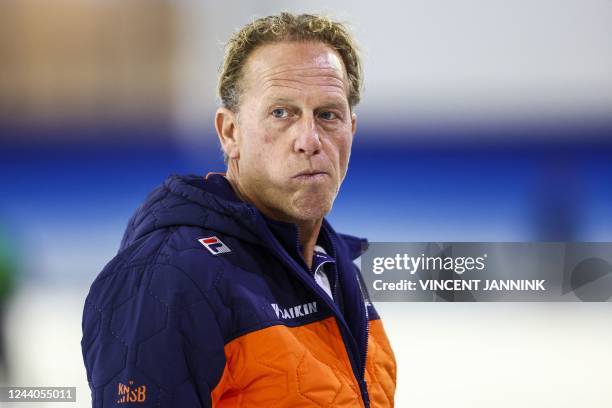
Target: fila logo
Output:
[
  {"x": 294, "y": 311},
  {"x": 129, "y": 393},
  {"x": 214, "y": 245}
]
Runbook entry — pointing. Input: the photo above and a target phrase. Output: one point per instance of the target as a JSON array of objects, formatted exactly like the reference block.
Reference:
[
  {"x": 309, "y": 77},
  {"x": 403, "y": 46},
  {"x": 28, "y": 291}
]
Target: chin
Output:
[{"x": 312, "y": 208}]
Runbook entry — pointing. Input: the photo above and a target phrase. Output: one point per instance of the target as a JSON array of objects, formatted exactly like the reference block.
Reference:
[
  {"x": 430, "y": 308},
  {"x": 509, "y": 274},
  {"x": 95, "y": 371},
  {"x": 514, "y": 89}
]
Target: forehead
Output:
[{"x": 295, "y": 66}]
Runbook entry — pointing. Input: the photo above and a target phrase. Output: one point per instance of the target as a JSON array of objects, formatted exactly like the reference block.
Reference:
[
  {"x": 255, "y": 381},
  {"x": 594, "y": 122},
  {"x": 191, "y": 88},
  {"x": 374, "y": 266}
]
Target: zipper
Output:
[
  {"x": 363, "y": 355},
  {"x": 367, "y": 325},
  {"x": 358, "y": 369}
]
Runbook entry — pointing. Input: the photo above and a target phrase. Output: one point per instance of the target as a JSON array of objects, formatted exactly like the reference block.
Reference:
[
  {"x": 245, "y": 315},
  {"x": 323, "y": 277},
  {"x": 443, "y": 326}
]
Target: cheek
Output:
[
  {"x": 254, "y": 144},
  {"x": 263, "y": 156},
  {"x": 347, "y": 147},
  {"x": 267, "y": 139},
  {"x": 343, "y": 149}
]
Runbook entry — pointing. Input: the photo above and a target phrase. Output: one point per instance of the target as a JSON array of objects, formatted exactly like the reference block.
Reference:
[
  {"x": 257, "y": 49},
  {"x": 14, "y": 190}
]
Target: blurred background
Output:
[{"x": 482, "y": 120}]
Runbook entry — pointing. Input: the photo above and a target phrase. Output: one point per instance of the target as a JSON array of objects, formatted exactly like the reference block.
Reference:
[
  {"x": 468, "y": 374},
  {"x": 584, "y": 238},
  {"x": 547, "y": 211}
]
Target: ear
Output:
[
  {"x": 226, "y": 124},
  {"x": 353, "y": 123}
]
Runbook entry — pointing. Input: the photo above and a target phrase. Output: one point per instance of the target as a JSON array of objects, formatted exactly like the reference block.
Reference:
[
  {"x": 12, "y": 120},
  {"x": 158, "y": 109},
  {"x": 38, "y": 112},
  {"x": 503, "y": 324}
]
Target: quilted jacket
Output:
[{"x": 209, "y": 303}]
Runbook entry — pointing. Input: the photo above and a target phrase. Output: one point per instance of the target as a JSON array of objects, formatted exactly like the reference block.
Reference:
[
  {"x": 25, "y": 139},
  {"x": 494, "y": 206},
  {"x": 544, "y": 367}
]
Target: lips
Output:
[
  {"x": 311, "y": 176},
  {"x": 310, "y": 173}
]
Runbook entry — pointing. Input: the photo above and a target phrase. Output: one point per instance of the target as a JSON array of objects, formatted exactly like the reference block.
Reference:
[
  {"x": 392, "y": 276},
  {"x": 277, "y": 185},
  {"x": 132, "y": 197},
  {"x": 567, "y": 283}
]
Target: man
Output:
[{"x": 233, "y": 290}]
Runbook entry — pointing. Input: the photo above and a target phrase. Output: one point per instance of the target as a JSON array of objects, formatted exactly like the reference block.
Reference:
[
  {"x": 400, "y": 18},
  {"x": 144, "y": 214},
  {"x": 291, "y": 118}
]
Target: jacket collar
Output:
[
  {"x": 210, "y": 202},
  {"x": 286, "y": 233}
]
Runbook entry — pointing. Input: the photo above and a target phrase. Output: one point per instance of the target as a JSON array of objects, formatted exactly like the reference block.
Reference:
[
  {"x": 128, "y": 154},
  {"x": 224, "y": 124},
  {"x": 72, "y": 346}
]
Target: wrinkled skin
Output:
[{"x": 289, "y": 143}]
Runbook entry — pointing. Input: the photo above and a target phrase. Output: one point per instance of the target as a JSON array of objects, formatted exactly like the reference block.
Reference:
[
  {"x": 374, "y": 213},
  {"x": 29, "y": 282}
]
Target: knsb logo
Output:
[
  {"x": 129, "y": 393},
  {"x": 294, "y": 311},
  {"x": 214, "y": 245}
]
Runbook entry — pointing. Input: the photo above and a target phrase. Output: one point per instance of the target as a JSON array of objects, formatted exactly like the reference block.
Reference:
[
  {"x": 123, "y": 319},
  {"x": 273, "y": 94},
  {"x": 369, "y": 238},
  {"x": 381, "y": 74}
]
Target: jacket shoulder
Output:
[
  {"x": 161, "y": 263},
  {"x": 142, "y": 320}
]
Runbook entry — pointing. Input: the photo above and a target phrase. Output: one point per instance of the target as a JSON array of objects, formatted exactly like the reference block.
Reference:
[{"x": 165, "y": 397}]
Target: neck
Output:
[
  {"x": 308, "y": 229},
  {"x": 309, "y": 232}
]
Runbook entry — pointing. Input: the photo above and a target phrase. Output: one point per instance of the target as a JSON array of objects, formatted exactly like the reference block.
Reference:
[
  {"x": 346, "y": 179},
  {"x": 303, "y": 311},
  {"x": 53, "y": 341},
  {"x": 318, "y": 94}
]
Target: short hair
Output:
[{"x": 287, "y": 27}]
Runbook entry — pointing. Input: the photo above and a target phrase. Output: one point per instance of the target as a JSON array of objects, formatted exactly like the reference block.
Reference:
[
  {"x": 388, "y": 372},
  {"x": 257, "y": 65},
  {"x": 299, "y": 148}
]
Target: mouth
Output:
[{"x": 310, "y": 175}]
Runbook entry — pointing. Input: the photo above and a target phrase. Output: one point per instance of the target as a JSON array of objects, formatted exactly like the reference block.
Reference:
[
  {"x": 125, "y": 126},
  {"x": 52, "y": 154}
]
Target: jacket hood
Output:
[{"x": 207, "y": 202}]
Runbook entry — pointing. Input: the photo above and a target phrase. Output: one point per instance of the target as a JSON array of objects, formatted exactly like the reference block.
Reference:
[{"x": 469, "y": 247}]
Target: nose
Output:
[{"x": 307, "y": 141}]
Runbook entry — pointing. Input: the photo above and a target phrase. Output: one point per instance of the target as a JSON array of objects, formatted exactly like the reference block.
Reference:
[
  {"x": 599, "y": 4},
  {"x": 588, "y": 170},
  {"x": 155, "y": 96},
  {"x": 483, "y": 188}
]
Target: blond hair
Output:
[{"x": 287, "y": 27}]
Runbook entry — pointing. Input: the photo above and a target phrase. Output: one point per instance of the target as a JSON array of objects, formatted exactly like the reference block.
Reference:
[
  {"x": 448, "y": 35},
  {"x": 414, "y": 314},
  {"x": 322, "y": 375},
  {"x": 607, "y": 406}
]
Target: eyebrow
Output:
[
  {"x": 280, "y": 99},
  {"x": 328, "y": 104}
]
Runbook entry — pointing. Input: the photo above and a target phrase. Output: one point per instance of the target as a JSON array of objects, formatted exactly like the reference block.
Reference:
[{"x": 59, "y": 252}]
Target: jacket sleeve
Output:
[{"x": 151, "y": 339}]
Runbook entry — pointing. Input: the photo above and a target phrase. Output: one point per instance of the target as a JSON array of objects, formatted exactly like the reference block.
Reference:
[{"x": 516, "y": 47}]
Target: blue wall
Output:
[{"x": 525, "y": 183}]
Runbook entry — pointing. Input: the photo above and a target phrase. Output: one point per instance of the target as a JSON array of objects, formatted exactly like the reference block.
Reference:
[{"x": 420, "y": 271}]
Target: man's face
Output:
[{"x": 294, "y": 130}]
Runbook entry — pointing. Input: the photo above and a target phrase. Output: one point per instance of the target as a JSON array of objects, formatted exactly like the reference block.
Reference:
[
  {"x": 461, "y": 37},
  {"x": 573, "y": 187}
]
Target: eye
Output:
[
  {"x": 280, "y": 113},
  {"x": 328, "y": 115}
]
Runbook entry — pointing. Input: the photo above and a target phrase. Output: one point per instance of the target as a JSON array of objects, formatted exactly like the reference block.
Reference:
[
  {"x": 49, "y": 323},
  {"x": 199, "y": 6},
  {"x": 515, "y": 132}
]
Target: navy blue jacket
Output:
[{"x": 198, "y": 270}]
